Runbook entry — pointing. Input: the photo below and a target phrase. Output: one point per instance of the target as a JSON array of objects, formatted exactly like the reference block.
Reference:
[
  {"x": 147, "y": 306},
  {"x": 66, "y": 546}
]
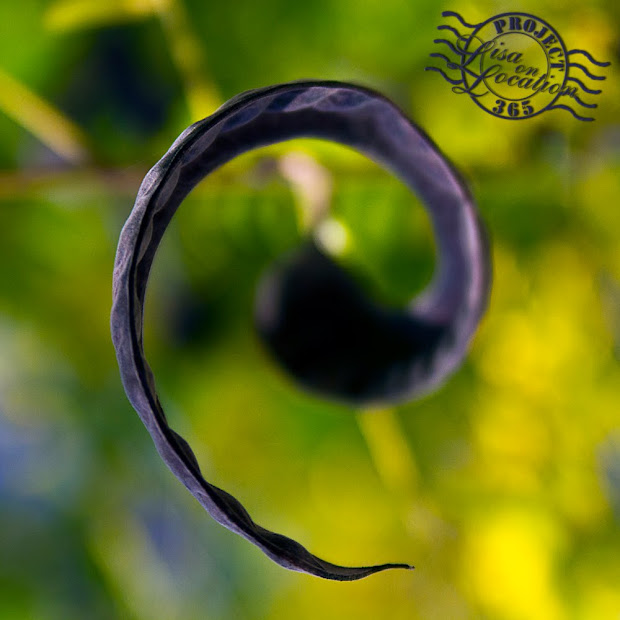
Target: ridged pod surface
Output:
[{"x": 373, "y": 355}]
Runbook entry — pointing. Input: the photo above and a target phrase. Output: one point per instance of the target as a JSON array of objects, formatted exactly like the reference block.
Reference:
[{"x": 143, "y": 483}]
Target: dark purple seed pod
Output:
[{"x": 316, "y": 322}]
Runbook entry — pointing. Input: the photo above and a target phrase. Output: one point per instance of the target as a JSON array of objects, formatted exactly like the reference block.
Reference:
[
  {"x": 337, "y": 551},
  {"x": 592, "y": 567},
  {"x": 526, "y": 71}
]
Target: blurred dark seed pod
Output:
[{"x": 321, "y": 327}]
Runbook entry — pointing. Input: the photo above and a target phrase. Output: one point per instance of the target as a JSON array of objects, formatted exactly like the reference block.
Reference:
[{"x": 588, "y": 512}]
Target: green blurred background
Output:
[{"x": 503, "y": 487}]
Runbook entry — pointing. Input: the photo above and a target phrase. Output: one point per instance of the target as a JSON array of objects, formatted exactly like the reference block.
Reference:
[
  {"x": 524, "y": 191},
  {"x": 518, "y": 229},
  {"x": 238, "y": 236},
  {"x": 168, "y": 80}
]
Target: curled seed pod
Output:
[{"x": 313, "y": 318}]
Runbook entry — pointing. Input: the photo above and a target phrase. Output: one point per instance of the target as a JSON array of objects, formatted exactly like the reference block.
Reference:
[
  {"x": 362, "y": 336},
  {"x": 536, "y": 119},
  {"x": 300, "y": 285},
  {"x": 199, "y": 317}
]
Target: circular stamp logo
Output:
[
  {"x": 519, "y": 59},
  {"x": 514, "y": 66}
]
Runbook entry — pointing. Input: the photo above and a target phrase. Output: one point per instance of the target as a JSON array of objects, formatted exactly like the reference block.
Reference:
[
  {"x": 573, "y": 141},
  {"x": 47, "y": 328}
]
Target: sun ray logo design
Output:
[{"x": 516, "y": 66}]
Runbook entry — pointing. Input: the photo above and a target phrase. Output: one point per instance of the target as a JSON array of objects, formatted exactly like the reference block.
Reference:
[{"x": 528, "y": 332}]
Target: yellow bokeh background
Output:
[{"x": 502, "y": 487}]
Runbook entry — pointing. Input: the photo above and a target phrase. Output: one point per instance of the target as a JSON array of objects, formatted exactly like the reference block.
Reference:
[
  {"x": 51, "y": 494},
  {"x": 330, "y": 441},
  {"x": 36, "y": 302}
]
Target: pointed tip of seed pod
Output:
[{"x": 401, "y": 565}]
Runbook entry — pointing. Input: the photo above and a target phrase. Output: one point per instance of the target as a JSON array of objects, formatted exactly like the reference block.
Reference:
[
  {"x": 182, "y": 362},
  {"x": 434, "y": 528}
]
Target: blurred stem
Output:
[
  {"x": 121, "y": 181},
  {"x": 44, "y": 182},
  {"x": 389, "y": 450},
  {"x": 189, "y": 58},
  {"x": 42, "y": 120},
  {"x": 311, "y": 185},
  {"x": 67, "y": 15}
]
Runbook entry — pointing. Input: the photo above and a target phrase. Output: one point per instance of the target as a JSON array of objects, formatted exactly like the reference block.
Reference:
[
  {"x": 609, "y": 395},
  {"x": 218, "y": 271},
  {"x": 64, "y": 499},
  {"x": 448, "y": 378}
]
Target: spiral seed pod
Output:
[{"x": 315, "y": 320}]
